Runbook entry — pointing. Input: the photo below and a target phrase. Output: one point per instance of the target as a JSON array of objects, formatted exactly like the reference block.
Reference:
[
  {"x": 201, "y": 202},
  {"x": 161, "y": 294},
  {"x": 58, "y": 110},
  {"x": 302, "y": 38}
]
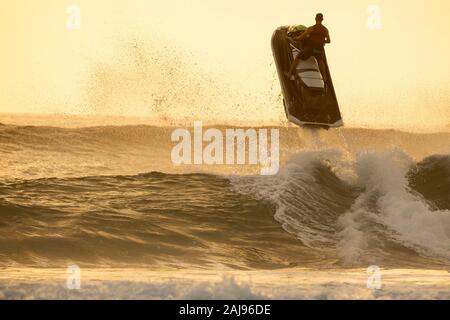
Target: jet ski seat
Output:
[{"x": 308, "y": 71}]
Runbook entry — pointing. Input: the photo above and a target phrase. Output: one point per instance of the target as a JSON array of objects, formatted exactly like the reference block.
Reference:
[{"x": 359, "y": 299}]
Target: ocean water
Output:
[{"x": 109, "y": 200}]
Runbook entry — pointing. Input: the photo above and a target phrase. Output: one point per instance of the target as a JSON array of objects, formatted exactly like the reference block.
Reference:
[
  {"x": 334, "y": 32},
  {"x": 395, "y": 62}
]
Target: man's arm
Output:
[
  {"x": 304, "y": 34},
  {"x": 328, "y": 40}
]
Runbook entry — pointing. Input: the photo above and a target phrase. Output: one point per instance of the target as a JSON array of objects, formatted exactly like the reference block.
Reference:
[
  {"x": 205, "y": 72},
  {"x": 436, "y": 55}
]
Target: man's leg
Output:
[
  {"x": 303, "y": 55},
  {"x": 322, "y": 69},
  {"x": 306, "y": 53},
  {"x": 320, "y": 61},
  {"x": 293, "y": 66}
]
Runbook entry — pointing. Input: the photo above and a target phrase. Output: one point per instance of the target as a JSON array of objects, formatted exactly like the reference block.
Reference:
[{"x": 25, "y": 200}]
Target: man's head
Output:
[{"x": 319, "y": 18}]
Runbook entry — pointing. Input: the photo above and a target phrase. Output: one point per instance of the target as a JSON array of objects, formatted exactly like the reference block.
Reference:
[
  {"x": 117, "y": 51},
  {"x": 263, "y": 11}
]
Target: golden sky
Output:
[{"x": 212, "y": 59}]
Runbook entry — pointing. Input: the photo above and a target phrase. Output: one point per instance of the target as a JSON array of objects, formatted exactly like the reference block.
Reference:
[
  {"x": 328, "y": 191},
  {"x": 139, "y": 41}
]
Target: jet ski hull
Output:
[{"x": 304, "y": 105}]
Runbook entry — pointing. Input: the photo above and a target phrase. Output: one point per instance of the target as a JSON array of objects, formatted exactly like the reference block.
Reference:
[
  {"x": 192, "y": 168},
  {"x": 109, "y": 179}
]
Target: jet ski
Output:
[{"x": 308, "y": 96}]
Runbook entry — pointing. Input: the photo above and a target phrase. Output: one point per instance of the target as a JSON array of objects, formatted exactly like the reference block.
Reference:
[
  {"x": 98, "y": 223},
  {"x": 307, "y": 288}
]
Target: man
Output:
[{"x": 314, "y": 40}]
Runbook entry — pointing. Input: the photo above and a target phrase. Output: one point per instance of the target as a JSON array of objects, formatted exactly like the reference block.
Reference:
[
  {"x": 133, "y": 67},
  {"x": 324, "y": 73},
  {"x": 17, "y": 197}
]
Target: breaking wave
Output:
[
  {"x": 380, "y": 208},
  {"x": 341, "y": 198}
]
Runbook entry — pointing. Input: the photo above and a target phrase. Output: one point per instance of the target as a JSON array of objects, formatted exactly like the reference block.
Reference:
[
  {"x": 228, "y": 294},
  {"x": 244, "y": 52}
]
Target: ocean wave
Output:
[
  {"x": 321, "y": 209},
  {"x": 369, "y": 210},
  {"x": 75, "y": 195},
  {"x": 32, "y": 152},
  {"x": 389, "y": 209}
]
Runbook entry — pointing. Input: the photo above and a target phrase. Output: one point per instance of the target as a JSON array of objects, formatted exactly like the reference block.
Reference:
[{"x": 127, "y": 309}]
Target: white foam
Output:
[
  {"x": 385, "y": 200},
  {"x": 236, "y": 285},
  {"x": 407, "y": 216}
]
